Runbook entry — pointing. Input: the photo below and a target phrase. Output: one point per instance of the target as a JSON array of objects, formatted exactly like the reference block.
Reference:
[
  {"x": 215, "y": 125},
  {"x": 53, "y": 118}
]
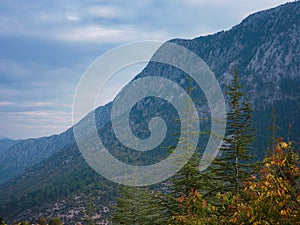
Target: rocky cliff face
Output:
[{"x": 266, "y": 49}]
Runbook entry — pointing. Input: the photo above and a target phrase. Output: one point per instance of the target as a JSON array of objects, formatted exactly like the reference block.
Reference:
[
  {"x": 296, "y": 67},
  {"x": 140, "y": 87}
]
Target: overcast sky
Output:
[{"x": 45, "y": 47}]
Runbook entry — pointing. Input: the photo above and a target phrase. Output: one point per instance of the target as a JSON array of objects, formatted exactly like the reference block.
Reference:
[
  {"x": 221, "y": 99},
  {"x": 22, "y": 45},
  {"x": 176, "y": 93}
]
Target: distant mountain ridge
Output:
[
  {"x": 266, "y": 49},
  {"x": 6, "y": 143},
  {"x": 1, "y": 138},
  {"x": 29, "y": 152}
]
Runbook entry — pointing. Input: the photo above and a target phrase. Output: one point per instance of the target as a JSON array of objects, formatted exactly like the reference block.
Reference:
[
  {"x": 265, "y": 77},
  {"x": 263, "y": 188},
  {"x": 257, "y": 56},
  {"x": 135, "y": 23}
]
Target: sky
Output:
[{"x": 46, "y": 46}]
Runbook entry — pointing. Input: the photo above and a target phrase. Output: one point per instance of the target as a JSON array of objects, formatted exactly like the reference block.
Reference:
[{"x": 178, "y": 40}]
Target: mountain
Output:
[
  {"x": 266, "y": 49},
  {"x": 26, "y": 153},
  {"x": 6, "y": 143},
  {"x": 1, "y": 138},
  {"x": 62, "y": 185},
  {"x": 44, "y": 175}
]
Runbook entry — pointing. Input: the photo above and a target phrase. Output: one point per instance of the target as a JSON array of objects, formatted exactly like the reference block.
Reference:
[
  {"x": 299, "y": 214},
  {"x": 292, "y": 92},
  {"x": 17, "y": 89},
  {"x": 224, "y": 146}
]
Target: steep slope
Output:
[
  {"x": 266, "y": 49},
  {"x": 6, "y": 143},
  {"x": 28, "y": 152},
  {"x": 63, "y": 185}
]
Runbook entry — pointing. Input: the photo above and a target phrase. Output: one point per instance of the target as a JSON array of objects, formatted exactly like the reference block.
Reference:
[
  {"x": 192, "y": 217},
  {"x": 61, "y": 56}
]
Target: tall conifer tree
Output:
[{"x": 234, "y": 164}]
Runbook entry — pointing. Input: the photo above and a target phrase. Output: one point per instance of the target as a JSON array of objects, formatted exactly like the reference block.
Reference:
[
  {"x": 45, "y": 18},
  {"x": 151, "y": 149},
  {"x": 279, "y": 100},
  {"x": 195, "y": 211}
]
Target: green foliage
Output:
[
  {"x": 2, "y": 222},
  {"x": 41, "y": 221},
  {"x": 233, "y": 164},
  {"x": 21, "y": 223},
  {"x": 136, "y": 205},
  {"x": 273, "y": 198},
  {"x": 285, "y": 122},
  {"x": 45, "y": 186},
  {"x": 55, "y": 221},
  {"x": 194, "y": 210},
  {"x": 188, "y": 178},
  {"x": 274, "y": 129}
]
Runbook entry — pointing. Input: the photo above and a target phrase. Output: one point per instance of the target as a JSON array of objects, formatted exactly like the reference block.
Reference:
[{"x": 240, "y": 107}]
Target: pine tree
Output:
[
  {"x": 137, "y": 206},
  {"x": 186, "y": 179},
  {"x": 125, "y": 211},
  {"x": 233, "y": 165},
  {"x": 189, "y": 178}
]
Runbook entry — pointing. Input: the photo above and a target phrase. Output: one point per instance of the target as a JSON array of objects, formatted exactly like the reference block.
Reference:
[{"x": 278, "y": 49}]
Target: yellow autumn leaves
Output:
[{"x": 272, "y": 198}]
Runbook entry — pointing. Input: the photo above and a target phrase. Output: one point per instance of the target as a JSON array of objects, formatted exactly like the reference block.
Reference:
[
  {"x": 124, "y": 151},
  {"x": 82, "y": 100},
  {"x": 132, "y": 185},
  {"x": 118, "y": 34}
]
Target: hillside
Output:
[
  {"x": 62, "y": 185},
  {"x": 6, "y": 143},
  {"x": 29, "y": 152},
  {"x": 266, "y": 49}
]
